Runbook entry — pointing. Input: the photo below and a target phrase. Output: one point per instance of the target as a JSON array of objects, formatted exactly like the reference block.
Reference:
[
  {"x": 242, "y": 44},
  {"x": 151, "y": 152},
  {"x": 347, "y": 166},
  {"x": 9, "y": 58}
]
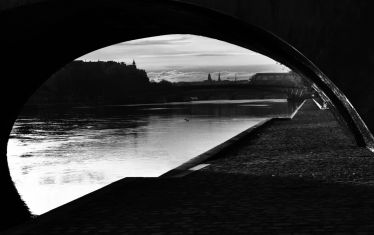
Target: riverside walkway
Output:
[{"x": 300, "y": 176}]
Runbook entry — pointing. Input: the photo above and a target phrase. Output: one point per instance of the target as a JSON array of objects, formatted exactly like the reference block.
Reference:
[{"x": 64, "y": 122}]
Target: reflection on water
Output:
[{"x": 56, "y": 156}]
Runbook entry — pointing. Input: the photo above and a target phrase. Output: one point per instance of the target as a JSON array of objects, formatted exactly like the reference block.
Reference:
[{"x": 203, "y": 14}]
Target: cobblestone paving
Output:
[
  {"x": 312, "y": 145},
  {"x": 296, "y": 177}
]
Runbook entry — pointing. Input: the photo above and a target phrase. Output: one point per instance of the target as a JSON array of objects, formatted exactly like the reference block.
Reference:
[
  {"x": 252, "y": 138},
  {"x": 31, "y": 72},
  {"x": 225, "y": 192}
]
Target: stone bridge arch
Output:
[{"x": 38, "y": 39}]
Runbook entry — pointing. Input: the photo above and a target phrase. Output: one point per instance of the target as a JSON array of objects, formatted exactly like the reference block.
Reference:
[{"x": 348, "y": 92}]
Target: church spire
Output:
[
  {"x": 209, "y": 78},
  {"x": 133, "y": 63}
]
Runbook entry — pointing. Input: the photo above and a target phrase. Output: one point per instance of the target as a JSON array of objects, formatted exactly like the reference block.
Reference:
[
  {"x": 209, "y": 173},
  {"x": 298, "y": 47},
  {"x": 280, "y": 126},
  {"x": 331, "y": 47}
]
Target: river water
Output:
[{"x": 58, "y": 155}]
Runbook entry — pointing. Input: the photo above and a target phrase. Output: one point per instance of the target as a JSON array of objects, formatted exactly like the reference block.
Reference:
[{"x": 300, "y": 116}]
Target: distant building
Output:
[
  {"x": 133, "y": 63},
  {"x": 209, "y": 78},
  {"x": 290, "y": 79}
]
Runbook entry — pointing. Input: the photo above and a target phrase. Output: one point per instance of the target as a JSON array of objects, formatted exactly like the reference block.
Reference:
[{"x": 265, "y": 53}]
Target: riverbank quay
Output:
[{"x": 301, "y": 176}]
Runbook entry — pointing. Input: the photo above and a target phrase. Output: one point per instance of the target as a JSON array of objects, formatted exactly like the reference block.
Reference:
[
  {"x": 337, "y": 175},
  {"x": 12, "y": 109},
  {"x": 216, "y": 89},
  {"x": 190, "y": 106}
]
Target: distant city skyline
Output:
[{"x": 184, "y": 57}]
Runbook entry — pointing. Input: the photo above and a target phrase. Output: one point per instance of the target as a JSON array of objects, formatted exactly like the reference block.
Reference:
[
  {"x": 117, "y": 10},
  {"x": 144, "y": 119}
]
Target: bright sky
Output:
[{"x": 184, "y": 53}]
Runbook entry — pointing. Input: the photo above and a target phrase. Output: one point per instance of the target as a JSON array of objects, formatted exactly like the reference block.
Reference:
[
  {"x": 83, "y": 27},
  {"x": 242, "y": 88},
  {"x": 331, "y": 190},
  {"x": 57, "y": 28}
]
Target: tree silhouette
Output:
[{"x": 93, "y": 82}]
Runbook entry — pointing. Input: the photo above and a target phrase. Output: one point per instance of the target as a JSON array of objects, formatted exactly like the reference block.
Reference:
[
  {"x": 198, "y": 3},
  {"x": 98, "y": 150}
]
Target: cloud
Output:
[
  {"x": 181, "y": 52},
  {"x": 220, "y": 54},
  {"x": 254, "y": 68},
  {"x": 179, "y": 76},
  {"x": 193, "y": 54},
  {"x": 160, "y": 40}
]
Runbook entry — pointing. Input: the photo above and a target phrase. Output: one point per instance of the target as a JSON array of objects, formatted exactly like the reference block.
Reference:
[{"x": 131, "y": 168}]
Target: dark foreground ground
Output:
[{"x": 298, "y": 176}]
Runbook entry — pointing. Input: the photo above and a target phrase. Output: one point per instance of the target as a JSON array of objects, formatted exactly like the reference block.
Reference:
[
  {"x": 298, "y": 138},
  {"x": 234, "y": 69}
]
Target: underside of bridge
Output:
[{"x": 328, "y": 42}]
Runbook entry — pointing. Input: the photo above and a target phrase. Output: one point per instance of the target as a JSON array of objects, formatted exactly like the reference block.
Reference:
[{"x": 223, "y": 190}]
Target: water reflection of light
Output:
[
  {"x": 255, "y": 105},
  {"x": 71, "y": 160}
]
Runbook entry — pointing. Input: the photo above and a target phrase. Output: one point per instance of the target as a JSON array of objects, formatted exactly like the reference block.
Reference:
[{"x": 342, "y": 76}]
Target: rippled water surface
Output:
[{"x": 57, "y": 155}]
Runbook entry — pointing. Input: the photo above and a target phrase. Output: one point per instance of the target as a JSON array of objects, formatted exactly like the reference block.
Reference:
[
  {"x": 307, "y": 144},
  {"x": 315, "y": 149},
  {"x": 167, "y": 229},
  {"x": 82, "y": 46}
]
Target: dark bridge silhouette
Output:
[{"x": 329, "y": 42}]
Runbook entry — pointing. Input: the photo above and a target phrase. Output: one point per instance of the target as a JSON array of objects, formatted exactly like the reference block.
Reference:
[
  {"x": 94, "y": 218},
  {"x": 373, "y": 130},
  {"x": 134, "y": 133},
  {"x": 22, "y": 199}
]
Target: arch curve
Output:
[{"x": 33, "y": 48}]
